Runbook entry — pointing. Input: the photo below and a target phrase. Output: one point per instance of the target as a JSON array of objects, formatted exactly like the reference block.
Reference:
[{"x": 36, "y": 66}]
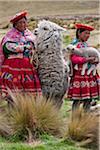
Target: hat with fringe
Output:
[
  {"x": 84, "y": 26},
  {"x": 18, "y": 16}
]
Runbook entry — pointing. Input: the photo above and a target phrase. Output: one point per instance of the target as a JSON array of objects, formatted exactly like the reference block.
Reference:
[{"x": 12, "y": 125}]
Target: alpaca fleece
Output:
[{"x": 51, "y": 68}]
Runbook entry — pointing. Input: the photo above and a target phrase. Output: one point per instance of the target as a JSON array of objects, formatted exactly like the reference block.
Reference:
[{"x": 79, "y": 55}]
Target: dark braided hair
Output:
[{"x": 80, "y": 30}]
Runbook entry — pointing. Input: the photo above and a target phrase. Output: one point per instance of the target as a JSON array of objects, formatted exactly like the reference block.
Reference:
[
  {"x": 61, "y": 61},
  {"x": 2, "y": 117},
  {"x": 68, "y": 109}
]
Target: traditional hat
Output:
[
  {"x": 18, "y": 16},
  {"x": 84, "y": 26}
]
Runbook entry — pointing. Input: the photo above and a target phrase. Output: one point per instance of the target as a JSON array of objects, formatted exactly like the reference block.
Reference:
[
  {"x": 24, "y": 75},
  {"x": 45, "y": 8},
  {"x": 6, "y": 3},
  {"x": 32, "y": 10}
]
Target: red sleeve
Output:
[{"x": 77, "y": 59}]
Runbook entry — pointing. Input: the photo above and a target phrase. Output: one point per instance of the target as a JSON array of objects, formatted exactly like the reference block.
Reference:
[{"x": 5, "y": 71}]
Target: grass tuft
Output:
[
  {"x": 5, "y": 129},
  {"x": 30, "y": 117},
  {"x": 83, "y": 128}
]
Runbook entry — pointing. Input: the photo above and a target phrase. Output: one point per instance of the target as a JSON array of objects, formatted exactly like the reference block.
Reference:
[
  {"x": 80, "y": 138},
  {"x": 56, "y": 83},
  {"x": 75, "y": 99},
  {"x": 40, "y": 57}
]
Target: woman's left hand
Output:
[
  {"x": 29, "y": 46},
  {"x": 95, "y": 61}
]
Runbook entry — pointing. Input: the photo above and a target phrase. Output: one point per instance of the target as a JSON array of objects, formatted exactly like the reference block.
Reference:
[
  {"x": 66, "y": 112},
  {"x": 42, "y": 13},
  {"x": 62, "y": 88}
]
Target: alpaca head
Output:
[{"x": 48, "y": 33}]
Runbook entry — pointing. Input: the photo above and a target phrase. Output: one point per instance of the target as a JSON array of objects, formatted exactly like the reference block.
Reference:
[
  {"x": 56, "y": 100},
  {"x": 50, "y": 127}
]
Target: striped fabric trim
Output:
[
  {"x": 18, "y": 69},
  {"x": 87, "y": 97},
  {"x": 81, "y": 77}
]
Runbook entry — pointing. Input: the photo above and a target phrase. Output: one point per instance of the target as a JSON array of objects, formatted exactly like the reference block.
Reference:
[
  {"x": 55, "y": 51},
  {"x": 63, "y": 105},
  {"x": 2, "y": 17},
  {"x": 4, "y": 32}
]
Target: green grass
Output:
[
  {"x": 66, "y": 108},
  {"x": 48, "y": 143}
]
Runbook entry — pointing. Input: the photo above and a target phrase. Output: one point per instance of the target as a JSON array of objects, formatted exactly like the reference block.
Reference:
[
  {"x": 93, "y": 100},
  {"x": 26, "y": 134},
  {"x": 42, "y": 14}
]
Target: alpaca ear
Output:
[
  {"x": 42, "y": 22},
  {"x": 61, "y": 29}
]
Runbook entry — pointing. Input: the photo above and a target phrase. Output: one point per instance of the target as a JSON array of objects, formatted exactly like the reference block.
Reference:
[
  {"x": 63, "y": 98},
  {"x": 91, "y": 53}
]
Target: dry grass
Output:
[
  {"x": 5, "y": 129},
  {"x": 30, "y": 117},
  {"x": 84, "y": 128}
]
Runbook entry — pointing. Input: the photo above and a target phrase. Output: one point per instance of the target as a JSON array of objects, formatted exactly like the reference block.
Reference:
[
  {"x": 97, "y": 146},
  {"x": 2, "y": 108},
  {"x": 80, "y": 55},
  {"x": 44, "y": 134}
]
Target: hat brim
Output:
[
  {"x": 83, "y": 26},
  {"x": 18, "y": 16}
]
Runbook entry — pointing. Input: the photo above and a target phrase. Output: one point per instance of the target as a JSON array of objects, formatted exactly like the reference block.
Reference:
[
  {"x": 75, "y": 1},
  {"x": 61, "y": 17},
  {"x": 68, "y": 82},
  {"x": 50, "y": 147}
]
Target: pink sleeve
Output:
[
  {"x": 77, "y": 59},
  {"x": 1, "y": 55}
]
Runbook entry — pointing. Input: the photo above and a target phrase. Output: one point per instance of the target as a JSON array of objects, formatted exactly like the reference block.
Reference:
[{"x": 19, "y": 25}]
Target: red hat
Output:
[
  {"x": 18, "y": 16},
  {"x": 84, "y": 26}
]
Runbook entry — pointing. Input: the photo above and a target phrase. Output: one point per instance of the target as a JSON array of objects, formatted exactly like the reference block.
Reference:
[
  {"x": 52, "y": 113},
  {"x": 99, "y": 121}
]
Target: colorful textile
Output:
[
  {"x": 83, "y": 87},
  {"x": 17, "y": 72},
  {"x": 19, "y": 37},
  {"x": 1, "y": 55}
]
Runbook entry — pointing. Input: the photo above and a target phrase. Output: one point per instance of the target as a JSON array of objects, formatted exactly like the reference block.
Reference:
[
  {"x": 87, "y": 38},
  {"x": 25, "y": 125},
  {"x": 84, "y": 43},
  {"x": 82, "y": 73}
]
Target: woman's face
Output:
[
  {"x": 83, "y": 36},
  {"x": 21, "y": 24}
]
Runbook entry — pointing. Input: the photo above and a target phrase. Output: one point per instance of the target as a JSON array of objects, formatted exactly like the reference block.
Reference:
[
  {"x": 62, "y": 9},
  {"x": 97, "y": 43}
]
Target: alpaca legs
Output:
[
  {"x": 84, "y": 69},
  {"x": 92, "y": 68}
]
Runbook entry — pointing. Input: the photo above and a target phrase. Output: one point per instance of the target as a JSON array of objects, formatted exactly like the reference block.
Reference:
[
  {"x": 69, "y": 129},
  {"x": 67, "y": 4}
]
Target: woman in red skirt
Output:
[
  {"x": 83, "y": 88},
  {"x": 17, "y": 73}
]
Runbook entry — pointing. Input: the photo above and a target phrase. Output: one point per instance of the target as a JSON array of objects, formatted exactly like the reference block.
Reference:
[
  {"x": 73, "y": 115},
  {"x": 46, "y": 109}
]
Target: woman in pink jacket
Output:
[
  {"x": 83, "y": 88},
  {"x": 16, "y": 72}
]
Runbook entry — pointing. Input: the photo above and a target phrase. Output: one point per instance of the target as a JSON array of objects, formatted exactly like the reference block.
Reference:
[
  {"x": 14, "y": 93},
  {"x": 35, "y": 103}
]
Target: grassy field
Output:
[
  {"x": 42, "y": 8},
  {"x": 47, "y": 8},
  {"x": 48, "y": 143}
]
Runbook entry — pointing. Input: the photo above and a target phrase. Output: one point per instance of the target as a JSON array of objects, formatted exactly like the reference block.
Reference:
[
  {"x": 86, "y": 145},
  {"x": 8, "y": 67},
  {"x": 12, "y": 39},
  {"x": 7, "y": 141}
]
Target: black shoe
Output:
[{"x": 93, "y": 103}]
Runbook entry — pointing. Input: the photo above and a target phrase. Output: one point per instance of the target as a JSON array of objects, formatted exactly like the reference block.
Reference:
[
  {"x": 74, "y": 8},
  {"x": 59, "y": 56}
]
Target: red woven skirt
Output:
[
  {"x": 20, "y": 74},
  {"x": 84, "y": 87}
]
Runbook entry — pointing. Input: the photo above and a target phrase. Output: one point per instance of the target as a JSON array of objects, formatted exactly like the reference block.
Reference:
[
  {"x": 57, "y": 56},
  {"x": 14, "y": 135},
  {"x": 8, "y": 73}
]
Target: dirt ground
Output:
[
  {"x": 48, "y": 7},
  {"x": 64, "y": 8}
]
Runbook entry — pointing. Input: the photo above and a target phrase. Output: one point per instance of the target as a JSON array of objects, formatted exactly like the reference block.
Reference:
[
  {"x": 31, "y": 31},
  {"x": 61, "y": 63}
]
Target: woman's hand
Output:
[
  {"x": 92, "y": 60},
  {"x": 19, "y": 49},
  {"x": 29, "y": 45},
  {"x": 96, "y": 61}
]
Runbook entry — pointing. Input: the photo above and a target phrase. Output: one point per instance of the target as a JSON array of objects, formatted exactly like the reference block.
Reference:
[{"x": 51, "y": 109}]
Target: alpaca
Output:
[
  {"x": 51, "y": 68},
  {"x": 86, "y": 52}
]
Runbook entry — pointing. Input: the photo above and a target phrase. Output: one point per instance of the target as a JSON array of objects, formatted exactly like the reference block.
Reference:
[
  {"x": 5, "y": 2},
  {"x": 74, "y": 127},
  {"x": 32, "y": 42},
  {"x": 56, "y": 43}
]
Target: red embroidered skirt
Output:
[
  {"x": 20, "y": 74},
  {"x": 84, "y": 87}
]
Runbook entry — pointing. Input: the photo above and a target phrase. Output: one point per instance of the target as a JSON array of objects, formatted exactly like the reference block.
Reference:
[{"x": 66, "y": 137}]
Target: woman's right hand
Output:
[
  {"x": 19, "y": 49},
  {"x": 90, "y": 59}
]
